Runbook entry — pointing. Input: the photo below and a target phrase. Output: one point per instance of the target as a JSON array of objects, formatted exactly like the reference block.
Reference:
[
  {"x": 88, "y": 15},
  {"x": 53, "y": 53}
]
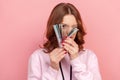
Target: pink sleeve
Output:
[
  {"x": 35, "y": 72},
  {"x": 89, "y": 71}
]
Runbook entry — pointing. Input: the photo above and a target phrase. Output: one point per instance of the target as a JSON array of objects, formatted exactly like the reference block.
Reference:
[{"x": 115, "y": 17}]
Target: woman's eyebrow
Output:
[
  {"x": 65, "y": 24},
  {"x": 74, "y": 25}
]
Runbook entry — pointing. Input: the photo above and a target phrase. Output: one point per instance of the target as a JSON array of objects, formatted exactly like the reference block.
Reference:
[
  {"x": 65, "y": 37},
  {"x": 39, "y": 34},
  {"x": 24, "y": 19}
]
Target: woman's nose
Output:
[{"x": 69, "y": 29}]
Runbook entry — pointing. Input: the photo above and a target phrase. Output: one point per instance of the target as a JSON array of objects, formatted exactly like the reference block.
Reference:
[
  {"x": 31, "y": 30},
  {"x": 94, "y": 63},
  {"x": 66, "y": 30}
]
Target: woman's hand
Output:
[
  {"x": 71, "y": 47},
  {"x": 56, "y": 56}
]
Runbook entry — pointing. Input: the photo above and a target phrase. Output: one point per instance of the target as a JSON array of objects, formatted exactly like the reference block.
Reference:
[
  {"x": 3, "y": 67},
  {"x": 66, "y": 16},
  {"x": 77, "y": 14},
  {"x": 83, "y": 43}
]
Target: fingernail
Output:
[
  {"x": 65, "y": 52},
  {"x": 71, "y": 37},
  {"x": 62, "y": 44},
  {"x": 65, "y": 36},
  {"x": 62, "y": 41}
]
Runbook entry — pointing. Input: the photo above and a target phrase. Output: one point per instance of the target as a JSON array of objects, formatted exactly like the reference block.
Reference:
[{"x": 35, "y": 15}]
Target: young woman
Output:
[{"x": 69, "y": 62}]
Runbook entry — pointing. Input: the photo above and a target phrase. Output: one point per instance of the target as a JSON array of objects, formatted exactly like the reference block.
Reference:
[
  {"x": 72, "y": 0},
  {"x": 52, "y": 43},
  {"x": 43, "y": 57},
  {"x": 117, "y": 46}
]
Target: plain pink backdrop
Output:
[{"x": 22, "y": 27}]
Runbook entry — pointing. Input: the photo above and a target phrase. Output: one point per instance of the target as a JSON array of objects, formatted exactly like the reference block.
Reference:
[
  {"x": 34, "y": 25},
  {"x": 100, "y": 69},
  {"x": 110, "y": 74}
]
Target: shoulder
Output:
[
  {"x": 37, "y": 54},
  {"x": 88, "y": 54}
]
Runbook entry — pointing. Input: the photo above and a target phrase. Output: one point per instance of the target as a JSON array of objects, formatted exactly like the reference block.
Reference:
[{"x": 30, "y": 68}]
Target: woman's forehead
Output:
[{"x": 69, "y": 20}]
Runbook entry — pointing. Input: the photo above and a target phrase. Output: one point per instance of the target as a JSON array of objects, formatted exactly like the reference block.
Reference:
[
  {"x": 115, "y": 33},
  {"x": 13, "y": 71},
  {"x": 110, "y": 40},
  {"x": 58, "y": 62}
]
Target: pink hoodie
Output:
[{"x": 84, "y": 67}]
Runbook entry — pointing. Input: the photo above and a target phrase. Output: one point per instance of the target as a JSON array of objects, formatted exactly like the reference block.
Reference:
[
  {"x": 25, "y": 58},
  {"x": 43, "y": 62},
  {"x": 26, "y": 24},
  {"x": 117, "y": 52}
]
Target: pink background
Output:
[{"x": 22, "y": 26}]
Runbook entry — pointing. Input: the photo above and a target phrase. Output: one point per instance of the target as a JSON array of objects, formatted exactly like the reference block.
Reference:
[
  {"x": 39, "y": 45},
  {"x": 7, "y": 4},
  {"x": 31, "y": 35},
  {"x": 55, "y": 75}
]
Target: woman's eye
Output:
[{"x": 64, "y": 26}]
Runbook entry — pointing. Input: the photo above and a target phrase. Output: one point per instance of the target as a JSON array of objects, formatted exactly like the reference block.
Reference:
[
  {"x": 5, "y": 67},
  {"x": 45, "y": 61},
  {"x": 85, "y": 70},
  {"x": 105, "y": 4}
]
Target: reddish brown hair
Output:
[{"x": 56, "y": 17}]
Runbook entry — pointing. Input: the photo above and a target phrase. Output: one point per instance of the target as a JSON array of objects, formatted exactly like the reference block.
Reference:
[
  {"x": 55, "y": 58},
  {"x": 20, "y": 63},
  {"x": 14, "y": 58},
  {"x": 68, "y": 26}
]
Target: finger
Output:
[
  {"x": 71, "y": 42},
  {"x": 60, "y": 50},
  {"x": 56, "y": 51},
  {"x": 61, "y": 53},
  {"x": 61, "y": 56},
  {"x": 57, "y": 54},
  {"x": 68, "y": 47}
]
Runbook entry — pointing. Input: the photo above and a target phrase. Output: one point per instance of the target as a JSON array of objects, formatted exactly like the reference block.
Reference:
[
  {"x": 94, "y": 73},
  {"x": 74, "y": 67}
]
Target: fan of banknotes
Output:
[{"x": 61, "y": 33}]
